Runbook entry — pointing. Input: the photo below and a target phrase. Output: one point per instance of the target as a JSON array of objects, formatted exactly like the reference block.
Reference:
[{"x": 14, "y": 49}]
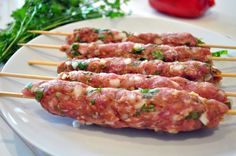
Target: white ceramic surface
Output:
[{"x": 56, "y": 136}]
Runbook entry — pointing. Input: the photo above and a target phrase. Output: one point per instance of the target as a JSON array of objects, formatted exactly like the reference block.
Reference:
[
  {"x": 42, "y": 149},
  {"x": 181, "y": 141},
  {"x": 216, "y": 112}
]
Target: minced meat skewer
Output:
[
  {"x": 159, "y": 109},
  {"x": 135, "y": 81},
  {"x": 88, "y": 34},
  {"x": 192, "y": 70},
  {"x": 136, "y": 50}
]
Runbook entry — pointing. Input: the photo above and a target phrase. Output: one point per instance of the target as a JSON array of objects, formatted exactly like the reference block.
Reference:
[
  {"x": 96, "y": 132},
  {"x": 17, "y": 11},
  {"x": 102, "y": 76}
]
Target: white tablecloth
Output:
[{"x": 221, "y": 18}]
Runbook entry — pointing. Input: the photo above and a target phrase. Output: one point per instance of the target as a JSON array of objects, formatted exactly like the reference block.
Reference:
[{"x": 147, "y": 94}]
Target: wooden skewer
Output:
[
  {"x": 45, "y": 63},
  {"x": 67, "y": 34},
  {"x": 217, "y": 46},
  {"x": 231, "y": 94},
  {"x": 50, "y": 32},
  {"x": 59, "y": 47},
  {"x": 12, "y": 94},
  {"x": 27, "y": 76},
  {"x": 40, "y": 45},
  {"x": 228, "y": 74},
  {"x": 223, "y": 58},
  {"x": 20, "y": 95},
  {"x": 49, "y": 63}
]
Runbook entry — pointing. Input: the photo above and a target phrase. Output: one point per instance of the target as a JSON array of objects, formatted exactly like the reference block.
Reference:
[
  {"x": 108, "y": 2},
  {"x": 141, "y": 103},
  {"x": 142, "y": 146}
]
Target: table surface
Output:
[{"x": 221, "y": 18}]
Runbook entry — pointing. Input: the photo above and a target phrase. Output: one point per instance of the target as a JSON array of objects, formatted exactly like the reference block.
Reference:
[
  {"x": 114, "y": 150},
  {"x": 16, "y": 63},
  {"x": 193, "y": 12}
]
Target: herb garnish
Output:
[
  {"x": 49, "y": 14},
  {"x": 199, "y": 41},
  {"x": 29, "y": 85},
  {"x": 149, "y": 90},
  {"x": 148, "y": 93},
  {"x": 92, "y": 101},
  {"x": 39, "y": 94},
  {"x": 145, "y": 108},
  {"x": 219, "y": 53},
  {"x": 82, "y": 65},
  {"x": 193, "y": 115},
  {"x": 158, "y": 55},
  {"x": 138, "y": 48},
  {"x": 228, "y": 103},
  {"x": 75, "y": 49}
]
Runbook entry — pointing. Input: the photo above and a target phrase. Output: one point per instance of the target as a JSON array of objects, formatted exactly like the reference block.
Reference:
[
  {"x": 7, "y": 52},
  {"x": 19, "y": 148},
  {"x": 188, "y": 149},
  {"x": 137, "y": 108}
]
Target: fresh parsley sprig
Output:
[{"x": 46, "y": 15}]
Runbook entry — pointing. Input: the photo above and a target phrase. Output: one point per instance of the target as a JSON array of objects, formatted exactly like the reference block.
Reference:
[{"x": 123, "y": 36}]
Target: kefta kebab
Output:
[
  {"x": 158, "y": 109},
  {"x": 192, "y": 70},
  {"x": 89, "y": 34},
  {"x": 135, "y": 50}
]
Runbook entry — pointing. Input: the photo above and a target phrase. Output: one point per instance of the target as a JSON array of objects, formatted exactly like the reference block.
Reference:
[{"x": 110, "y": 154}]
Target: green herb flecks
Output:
[
  {"x": 229, "y": 104},
  {"x": 39, "y": 94},
  {"x": 58, "y": 94},
  {"x": 219, "y": 53},
  {"x": 199, "y": 41},
  {"x": 49, "y": 14},
  {"x": 194, "y": 115},
  {"x": 29, "y": 85},
  {"x": 82, "y": 65},
  {"x": 94, "y": 90},
  {"x": 75, "y": 49},
  {"x": 101, "y": 36},
  {"x": 149, "y": 90},
  {"x": 145, "y": 108},
  {"x": 77, "y": 39},
  {"x": 98, "y": 89},
  {"x": 158, "y": 55},
  {"x": 148, "y": 93},
  {"x": 148, "y": 108},
  {"x": 138, "y": 48},
  {"x": 92, "y": 101}
]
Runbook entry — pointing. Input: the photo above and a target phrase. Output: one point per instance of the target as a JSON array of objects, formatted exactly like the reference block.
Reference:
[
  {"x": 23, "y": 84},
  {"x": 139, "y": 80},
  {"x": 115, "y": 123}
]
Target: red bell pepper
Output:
[{"x": 182, "y": 8}]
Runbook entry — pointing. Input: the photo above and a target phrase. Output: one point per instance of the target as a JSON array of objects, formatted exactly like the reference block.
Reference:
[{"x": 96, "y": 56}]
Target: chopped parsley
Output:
[
  {"x": 39, "y": 94},
  {"x": 158, "y": 55},
  {"x": 75, "y": 46},
  {"x": 74, "y": 49},
  {"x": 228, "y": 103},
  {"x": 98, "y": 89},
  {"x": 77, "y": 38},
  {"x": 96, "y": 30},
  {"x": 92, "y": 101},
  {"x": 82, "y": 65},
  {"x": 58, "y": 94},
  {"x": 138, "y": 48},
  {"x": 149, "y": 90},
  {"x": 95, "y": 90},
  {"x": 193, "y": 115},
  {"x": 148, "y": 108},
  {"x": 148, "y": 93},
  {"x": 219, "y": 53},
  {"x": 29, "y": 85},
  {"x": 145, "y": 108},
  {"x": 199, "y": 41},
  {"x": 101, "y": 36}
]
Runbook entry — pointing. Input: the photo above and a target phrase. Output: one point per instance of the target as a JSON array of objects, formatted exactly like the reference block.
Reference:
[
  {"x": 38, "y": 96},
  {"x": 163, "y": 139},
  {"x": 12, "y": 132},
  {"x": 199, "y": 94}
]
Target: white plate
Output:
[{"x": 56, "y": 136}]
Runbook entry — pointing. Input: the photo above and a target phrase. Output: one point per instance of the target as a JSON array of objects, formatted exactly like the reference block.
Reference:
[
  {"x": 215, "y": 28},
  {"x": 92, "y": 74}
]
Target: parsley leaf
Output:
[
  {"x": 49, "y": 14},
  {"x": 39, "y": 94},
  {"x": 199, "y": 41},
  {"x": 158, "y": 55},
  {"x": 193, "y": 115},
  {"x": 219, "y": 53}
]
